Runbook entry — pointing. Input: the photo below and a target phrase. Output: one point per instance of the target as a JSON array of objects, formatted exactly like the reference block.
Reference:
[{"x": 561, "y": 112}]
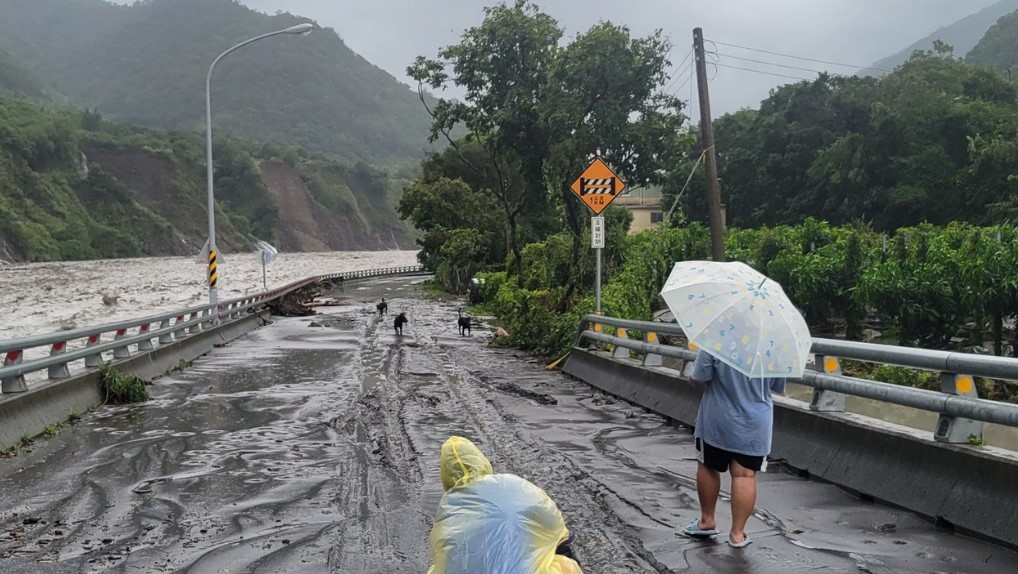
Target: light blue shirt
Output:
[{"x": 736, "y": 412}]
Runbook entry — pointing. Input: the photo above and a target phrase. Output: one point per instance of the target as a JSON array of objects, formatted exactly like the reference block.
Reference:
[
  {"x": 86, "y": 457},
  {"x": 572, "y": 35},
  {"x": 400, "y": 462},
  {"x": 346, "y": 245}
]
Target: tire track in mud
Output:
[
  {"x": 433, "y": 376},
  {"x": 260, "y": 481},
  {"x": 387, "y": 534}
]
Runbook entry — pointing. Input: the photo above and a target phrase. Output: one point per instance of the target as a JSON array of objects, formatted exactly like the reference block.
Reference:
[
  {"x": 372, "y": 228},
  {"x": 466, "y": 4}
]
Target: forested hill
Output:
[
  {"x": 16, "y": 80},
  {"x": 933, "y": 141},
  {"x": 963, "y": 35},
  {"x": 76, "y": 186},
  {"x": 145, "y": 64},
  {"x": 999, "y": 47}
]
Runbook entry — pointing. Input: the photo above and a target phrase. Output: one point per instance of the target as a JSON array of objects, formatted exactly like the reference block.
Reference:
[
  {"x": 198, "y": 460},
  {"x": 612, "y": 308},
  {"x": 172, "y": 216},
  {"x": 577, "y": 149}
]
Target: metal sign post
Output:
[
  {"x": 597, "y": 187},
  {"x": 266, "y": 257},
  {"x": 268, "y": 252},
  {"x": 597, "y": 242}
]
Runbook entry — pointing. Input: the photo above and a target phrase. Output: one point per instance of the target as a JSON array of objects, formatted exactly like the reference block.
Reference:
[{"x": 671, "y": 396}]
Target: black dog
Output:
[
  {"x": 382, "y": 307},
  {"x": 463, "y": 323},
  {"x": 399, "y": 322}
]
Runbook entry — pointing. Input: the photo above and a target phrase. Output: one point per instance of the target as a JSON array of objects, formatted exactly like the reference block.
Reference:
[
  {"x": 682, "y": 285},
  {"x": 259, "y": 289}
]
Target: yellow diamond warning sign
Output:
[{"x": 598, "y": 186}]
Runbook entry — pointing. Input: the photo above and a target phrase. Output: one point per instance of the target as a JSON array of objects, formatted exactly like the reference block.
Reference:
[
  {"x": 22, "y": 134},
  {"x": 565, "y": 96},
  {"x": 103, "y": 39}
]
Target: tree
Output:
[
  {"x": 448, "y": 210},
  {"x": 604, "y": 97},
  {"x": 925, "y": 143},
  {"x": 502, "y": 65},
  {"x": 540, "y": 110}
]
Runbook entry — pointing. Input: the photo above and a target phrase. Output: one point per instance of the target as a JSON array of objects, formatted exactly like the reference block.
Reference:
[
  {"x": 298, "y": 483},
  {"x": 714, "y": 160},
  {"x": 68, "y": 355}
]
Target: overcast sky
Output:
[{"x": 391, "y": 33}]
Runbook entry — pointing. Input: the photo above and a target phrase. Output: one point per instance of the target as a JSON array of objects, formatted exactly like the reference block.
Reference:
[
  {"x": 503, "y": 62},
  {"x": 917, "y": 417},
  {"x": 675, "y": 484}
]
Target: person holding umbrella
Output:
[
  {"x": 751, "y": 339},
  {"x": 733, "y": 434}
]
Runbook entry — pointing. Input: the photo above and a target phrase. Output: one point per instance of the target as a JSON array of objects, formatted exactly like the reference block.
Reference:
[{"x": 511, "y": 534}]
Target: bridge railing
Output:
[
  {"x": 91, "y": 344},
  {"x": 961, "y": 411}
]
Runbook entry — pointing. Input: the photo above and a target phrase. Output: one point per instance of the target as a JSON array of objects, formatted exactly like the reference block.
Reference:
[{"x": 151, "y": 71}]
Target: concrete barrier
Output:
[
  {"x": 29, "y": 413},
  {"x": 970, "y": 488}
]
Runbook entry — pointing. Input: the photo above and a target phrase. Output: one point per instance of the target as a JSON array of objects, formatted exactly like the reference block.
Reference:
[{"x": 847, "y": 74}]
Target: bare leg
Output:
[
  {"x": 743, "y": 499},
  {"x": 708, "y": 487}
]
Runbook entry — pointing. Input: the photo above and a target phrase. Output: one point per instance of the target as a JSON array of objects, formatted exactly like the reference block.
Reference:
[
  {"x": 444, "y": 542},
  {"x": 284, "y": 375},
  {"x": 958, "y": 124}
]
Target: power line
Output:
[
  {"x": 800, "y": 57},
  {"x": 682, "y": 85},
  {"x": 772, "y": 64},
  {"x": 683, "y": 190},
  {"x": 676, "y": 77},
  {"x": 765, "y": 73},
  {"x": 689, "y": 55},
  {"x": 689, "y": 78},
  {"x": 682, "y": 71}
]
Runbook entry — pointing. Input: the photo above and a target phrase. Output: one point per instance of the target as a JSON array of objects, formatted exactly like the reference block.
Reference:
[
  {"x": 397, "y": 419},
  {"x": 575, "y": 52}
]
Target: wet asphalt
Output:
[{"x": 311, "y": 445}]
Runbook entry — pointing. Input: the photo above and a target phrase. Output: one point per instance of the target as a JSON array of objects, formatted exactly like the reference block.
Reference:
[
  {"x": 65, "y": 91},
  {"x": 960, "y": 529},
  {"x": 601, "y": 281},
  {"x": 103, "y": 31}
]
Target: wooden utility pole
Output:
[{"x": 717, "y": 233}]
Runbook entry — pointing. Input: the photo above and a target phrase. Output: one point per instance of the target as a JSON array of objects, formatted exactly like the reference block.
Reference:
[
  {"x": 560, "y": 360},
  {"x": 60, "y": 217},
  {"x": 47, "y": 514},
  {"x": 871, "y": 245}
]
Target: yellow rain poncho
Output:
[{"x": 493, "y": 523}]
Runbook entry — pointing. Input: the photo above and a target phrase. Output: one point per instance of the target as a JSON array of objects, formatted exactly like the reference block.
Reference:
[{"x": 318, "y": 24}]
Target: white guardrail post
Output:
[
  {"x": 823, "y": 400},
  {"x": 620, "y": 352},
  {"x": 121, "y": 352},
  {"x": 651, "y": 359},
  {"x": 95, "y": 359},
  {"x": 58, "y": 371},
  {"x": 165, "y": 336},
  {"x": 179, "y": 333},
  {"x": 196, "y": 327},
  {"x": 145, "y": 345},
  {"x": 16, "y": 383},
  {"x": 957, "y": 429}
]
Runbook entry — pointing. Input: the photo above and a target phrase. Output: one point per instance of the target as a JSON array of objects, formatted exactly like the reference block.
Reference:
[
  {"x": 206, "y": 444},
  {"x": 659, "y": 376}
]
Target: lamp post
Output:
[{"x": 303, "y": 30}]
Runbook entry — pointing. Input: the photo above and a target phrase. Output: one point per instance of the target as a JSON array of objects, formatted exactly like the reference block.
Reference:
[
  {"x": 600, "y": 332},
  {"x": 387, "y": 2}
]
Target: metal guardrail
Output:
[
  {"x": 140, "y": 333},
  {"x": 962, "y": 412}
]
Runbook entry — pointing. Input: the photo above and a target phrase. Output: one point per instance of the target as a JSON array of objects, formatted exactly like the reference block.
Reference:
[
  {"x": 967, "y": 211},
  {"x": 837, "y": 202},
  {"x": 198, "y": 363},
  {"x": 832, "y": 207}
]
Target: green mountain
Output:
[
  {"x": 146, "y": 63},
  {"x": 76, "y": 186},
  {"x": 963, "y": 35},
  {"x": 999, "y": 47},
  {"x": 16, "y": 80}
]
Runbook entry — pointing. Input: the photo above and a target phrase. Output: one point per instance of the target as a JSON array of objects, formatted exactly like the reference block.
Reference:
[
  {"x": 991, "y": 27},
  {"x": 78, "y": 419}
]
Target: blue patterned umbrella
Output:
[{"x": 739, "y": 316}]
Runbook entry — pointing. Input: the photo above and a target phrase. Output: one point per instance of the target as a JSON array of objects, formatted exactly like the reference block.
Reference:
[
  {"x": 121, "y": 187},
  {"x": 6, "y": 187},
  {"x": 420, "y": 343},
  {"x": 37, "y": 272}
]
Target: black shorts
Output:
[{"x": 719, "y": 458}]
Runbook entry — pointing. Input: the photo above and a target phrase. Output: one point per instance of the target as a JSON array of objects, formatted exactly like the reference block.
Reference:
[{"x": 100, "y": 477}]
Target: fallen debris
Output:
[{"x": 294, "y": 304}]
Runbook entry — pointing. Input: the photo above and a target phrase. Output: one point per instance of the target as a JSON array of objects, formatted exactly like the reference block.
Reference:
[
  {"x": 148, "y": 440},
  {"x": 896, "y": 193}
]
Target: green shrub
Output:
[
  {"x": 533, "y": 318},
  {"x": 925, "y": 286},
  {"x": 121, "y": 388},
  {"x": 491, "y": 282}
]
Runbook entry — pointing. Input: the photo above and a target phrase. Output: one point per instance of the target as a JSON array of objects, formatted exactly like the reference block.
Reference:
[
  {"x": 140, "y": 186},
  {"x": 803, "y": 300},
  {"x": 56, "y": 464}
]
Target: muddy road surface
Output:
[{"x": 311, "y": 445}]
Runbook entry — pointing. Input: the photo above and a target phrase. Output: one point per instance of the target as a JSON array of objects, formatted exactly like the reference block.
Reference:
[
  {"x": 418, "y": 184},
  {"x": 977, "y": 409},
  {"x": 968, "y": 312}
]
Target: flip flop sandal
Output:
[
  {"x": 695, "y": 531},
  {"x": 745, "y": 542}
]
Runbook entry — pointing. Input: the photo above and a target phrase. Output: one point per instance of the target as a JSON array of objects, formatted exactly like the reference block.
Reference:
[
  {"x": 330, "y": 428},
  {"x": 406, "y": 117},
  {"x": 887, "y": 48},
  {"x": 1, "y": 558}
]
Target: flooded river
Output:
[
  {"x": 311, "y": 445},
  {"x": 39, "y": 298}
]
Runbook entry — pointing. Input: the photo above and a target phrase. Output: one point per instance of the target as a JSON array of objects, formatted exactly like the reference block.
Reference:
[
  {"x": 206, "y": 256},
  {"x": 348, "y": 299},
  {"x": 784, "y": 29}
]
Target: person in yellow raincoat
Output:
[{"x": 492, "y": 523}]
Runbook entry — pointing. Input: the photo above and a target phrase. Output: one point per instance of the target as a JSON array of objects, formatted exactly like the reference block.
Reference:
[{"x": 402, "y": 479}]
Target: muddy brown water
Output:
[{"x": 311, "y": 445}]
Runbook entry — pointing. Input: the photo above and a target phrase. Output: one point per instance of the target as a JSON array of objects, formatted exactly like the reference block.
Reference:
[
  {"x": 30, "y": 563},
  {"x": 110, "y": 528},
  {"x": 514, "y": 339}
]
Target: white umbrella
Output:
[{"x": 739, "y": 316}]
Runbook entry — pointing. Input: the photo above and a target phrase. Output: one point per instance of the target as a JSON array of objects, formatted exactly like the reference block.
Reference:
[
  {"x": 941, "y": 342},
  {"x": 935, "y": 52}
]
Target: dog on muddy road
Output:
[
  {"x": 463, "y": 324},
  {"x": 399, "y": 322}
]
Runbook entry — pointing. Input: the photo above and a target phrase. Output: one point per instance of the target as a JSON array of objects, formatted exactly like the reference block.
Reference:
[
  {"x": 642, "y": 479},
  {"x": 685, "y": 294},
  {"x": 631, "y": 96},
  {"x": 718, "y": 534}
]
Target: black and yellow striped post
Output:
[
  {"x": 213, "y": 273},
  {"x": 214, "y": 286}
]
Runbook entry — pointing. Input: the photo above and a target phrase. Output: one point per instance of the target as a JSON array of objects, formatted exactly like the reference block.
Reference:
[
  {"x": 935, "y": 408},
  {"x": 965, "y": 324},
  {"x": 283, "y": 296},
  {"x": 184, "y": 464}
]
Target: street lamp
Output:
[{"x": 301, "y": 29}]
